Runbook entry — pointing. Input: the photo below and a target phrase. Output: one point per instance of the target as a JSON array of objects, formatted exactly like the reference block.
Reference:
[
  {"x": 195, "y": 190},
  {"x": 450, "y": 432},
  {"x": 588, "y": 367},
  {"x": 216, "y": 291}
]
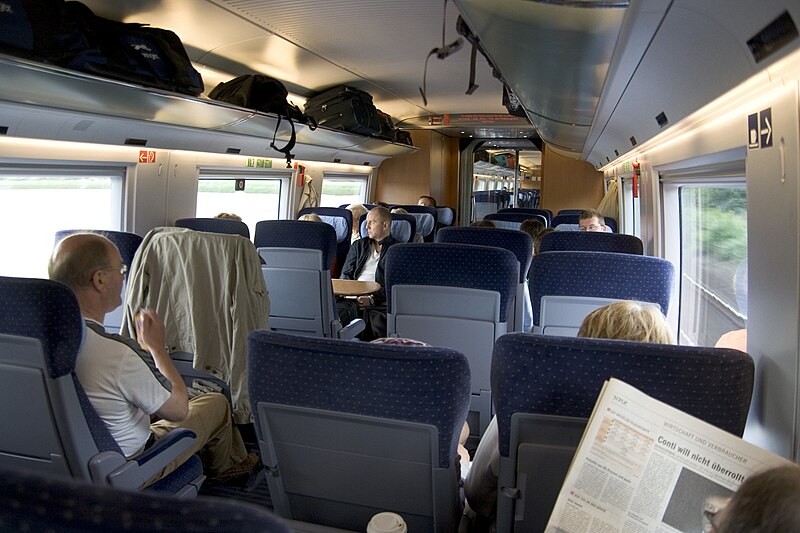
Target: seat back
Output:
[
  {"x": 127, "y": 244},
  {"x": 425, "y": 218},
  {"x": 351, "y": 429},
  {"x": 41, "y": 333},
  {"x": 560, "y": 218},
  {"x": 558, "y": 379},
  {"x": 516, "y": 242},
  {"x": 584, "y": 281},
  {"x": 227, "y": 226},
  {"x": 93, "y": 509},
  {"x": 454, "y": 295},
  {"x": 297, "y": 270},
  {"x": 512, "y": 220},
  {"x": 404, "y": 227},
  {"x": 342, "y": 221},
  {"x": 483, "y": 203},
  {"x": 591, "y": 241},
  {"x": 445, "y": 216},
  {"x": 546, "y": 213},
  {"x": 570, "y": 211}
]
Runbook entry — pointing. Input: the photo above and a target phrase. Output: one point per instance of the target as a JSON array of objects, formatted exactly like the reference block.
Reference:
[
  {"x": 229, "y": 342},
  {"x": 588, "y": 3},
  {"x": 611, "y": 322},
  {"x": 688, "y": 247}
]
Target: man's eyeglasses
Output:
[
  {"x": 592, "y": 227},
  {"x": 123, "y": 270}
]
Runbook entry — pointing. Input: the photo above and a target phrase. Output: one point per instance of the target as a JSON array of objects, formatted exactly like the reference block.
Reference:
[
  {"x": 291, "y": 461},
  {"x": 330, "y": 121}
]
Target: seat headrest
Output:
[
  {"x": 298, "y": 234},
  {"x": 44, "y": 310}
]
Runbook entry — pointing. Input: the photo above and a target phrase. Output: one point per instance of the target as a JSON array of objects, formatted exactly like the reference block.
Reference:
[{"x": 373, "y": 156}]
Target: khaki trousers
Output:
[{"x": 218, "y": 441}]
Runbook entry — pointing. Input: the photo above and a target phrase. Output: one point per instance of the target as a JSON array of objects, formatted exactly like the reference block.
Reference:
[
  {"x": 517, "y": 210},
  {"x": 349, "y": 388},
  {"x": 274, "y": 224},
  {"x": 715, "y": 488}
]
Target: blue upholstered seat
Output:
[
  {"x": 215, "y": 225},
  {"x": 513, "y": 220},
  {"x": 404, "y": 227},
  {"x": 425, "y": 219},
  {"x": 546, "y": 213},
  {"x": 536, "y": 378},
  {"x": 127, "y": 244},
  {"x": 574, "y": 219},
  {"x": 454, "y": 295},
  {"x": 516, "y": 242},
  {"x": 298, "y": 256},
  {"x": 590, "y": 241},
  {"x": 350, "y": 429},
  {"x": 41, "y": 331},
  {"x": 342, "y": 221},
  {"x": 572, "y": 284},
  {"x": 30, "y": 501},
  {"x": 445, "y": 216}
]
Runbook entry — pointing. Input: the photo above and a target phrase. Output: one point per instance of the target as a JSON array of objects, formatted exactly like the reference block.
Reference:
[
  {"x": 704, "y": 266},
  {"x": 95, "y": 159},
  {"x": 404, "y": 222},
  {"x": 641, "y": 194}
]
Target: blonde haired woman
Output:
[{"x": 628, "y": 321}]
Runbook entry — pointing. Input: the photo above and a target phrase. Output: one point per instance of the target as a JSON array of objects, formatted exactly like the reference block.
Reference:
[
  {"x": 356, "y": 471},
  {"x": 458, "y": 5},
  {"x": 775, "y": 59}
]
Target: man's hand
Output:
[{"x": 149, "y": 328}]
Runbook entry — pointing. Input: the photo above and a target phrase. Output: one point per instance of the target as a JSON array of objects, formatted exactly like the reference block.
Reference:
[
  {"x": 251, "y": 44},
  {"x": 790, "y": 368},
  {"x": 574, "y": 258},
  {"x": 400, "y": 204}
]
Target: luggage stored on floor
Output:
[{"x": 345, "y": 108}]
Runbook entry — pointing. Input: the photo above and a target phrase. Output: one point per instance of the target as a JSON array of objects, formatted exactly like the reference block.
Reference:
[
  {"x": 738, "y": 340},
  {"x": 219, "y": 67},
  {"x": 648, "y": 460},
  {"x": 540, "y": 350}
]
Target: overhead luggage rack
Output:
[{"x": 35, "y": 97}]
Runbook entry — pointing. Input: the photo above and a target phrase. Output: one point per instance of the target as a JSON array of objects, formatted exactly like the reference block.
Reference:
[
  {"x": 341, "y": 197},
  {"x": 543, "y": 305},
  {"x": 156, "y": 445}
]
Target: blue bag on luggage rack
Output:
[
  {"x": 345, "y": 108},
  {"x": 28, "y": 28},
  {"x": 130, "y": 52}
]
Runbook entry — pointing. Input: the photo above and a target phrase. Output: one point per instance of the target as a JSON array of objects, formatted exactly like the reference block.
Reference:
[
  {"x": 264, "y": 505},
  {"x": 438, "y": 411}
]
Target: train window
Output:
[
  {"x": 713, "y": 259},
  {"x": 252, "y": 196},
  {"x": 37, "y": 201},
  {"x": 340, "y": 189}
]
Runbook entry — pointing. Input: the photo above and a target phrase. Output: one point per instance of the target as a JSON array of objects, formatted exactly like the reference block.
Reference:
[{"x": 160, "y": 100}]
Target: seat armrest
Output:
[
  {"x": 135, "y": 472},
  {"x": 352, "y": 329}
]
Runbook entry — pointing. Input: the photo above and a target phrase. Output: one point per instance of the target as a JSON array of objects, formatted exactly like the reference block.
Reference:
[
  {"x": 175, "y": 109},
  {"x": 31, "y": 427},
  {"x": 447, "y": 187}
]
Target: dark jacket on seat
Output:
[{"x": 357, "y": 258}]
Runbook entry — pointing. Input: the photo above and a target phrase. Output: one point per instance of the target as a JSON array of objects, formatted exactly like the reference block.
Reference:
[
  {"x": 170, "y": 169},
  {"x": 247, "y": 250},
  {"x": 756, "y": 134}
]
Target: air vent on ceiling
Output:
[
  {"x": 662, "y": 119},
  {"x": 3, "y": 130},
  {"x": 633, "y": 140},
  {"x": 616, "y": 153},
  {"x": 337, "y": 160},
  {"x": 233, "y": 150},
  {"x": 135, "y": 142},
  {"x": 773, "y": 37}
]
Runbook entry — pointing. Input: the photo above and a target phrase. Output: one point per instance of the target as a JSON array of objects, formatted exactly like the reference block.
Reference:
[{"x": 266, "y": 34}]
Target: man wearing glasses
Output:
[
  {"x": 591, "y": 220},
  {"x": 121, "y": 381}
]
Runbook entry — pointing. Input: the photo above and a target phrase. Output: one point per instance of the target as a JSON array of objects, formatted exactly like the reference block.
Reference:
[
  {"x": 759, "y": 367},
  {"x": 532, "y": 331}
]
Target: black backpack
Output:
[{"x": 262, "y": 93}]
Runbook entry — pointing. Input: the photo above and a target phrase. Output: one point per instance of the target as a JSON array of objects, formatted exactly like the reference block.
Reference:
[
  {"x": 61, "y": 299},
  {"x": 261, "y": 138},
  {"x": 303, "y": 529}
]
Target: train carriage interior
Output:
[{"x": 677, "y": 121}]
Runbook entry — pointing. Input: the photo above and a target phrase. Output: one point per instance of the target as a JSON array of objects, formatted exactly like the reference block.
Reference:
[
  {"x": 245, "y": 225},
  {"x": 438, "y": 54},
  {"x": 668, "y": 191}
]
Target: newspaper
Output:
[{"x": 643, "y": 466}]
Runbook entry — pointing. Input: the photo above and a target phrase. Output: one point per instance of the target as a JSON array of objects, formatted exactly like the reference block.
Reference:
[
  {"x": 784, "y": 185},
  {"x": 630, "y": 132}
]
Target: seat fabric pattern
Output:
[
  {"x": 516, "y": 242},
  {"x": 298, "y": 234},
  {"x": 600, "y": 274},
  {"x": 589, "y": 241},
  {"x": 453, "y": 265},
  {"x": 428, "y": 385},
  {"x": 563, "y": 376},
  {"x": 126, "y": 243},
  {"x": 33, "y": 502},
  {"x": 45, "y": 310},
  {"x": 215, "y": 225}
]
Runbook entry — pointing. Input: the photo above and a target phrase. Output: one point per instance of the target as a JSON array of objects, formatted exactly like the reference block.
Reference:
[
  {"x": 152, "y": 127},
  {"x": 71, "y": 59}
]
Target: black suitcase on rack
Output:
[{"x": 345, "y": 108}]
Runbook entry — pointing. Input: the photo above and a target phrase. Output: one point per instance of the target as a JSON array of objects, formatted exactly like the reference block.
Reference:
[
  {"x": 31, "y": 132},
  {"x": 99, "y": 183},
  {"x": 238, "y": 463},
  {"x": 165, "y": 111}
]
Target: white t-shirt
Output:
[
  {"x": 122, "y": 388},
  {"x": 368, "y": 272}
]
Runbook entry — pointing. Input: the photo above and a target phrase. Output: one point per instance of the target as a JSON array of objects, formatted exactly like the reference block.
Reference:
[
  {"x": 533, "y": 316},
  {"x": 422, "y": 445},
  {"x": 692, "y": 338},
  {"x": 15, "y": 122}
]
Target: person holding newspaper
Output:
[{"x": 623, "y": 320}]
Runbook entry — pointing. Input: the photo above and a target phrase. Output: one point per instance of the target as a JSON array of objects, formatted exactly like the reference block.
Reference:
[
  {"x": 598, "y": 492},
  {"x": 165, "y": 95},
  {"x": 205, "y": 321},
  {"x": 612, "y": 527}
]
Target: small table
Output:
[{"x": 351, "y": 287}]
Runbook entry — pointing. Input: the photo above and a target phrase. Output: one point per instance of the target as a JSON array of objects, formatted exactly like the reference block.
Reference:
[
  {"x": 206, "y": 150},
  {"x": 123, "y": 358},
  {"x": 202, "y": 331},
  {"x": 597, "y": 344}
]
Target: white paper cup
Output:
[{"x": 386, "y": 523}]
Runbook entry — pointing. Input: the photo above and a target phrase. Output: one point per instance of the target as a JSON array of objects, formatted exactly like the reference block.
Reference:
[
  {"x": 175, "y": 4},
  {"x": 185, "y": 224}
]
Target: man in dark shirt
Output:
[{"x": 366, "y": 262}]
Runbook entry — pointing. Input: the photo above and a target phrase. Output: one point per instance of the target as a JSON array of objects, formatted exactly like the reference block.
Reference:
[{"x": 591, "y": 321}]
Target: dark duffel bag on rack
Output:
[
  {"x": 345, "y": 108},
  {"x": 130, "y": 52},
  {"x": 262, "y": 93},
  {"x": 28, "y": 28}
]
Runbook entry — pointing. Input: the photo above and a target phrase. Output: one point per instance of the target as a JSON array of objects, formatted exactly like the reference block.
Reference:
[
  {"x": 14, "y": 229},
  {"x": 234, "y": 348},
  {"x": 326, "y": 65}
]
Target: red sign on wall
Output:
[{"x": 147, "y": 156}]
